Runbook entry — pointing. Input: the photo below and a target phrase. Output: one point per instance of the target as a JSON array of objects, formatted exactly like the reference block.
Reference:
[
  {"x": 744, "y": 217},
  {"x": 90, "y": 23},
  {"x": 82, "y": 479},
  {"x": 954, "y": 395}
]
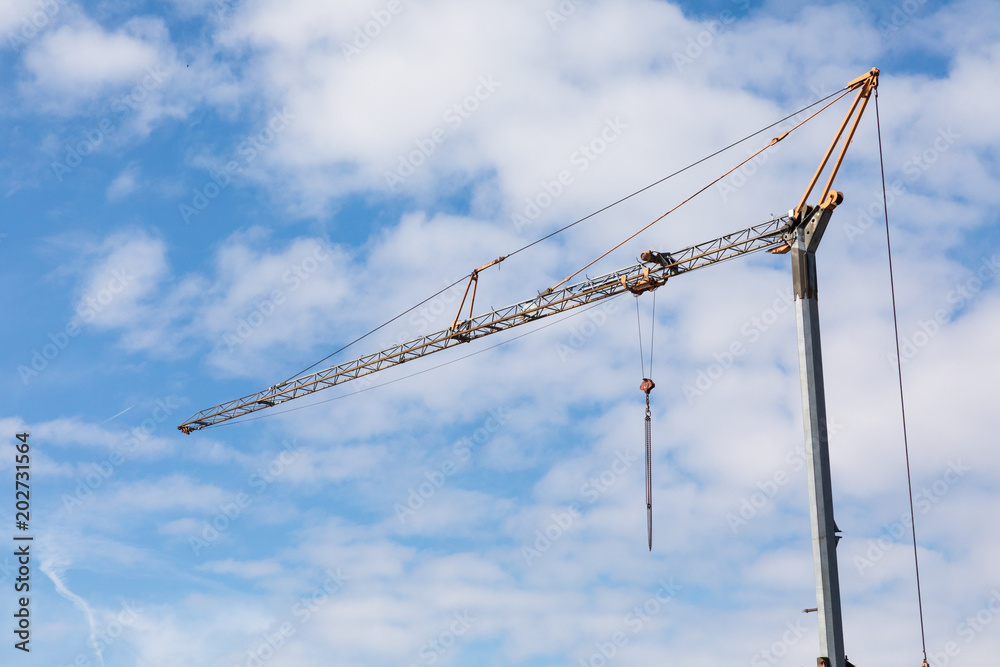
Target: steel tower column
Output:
[{"x": 824, "y": 538}]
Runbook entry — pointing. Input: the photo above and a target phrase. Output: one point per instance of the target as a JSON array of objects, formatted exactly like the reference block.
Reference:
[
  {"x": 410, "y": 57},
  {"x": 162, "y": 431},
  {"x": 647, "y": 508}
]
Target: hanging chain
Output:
[
  {"x": 647, "y": 386},
  {"x": 649, "y": 476}
]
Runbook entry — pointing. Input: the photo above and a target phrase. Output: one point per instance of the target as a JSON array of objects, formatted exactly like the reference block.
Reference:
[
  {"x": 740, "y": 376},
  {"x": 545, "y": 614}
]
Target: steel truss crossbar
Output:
[{"x": 639, "y": 277}]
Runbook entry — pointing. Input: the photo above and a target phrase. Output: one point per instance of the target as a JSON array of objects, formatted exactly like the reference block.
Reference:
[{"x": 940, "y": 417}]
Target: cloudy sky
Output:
[{"x": 203, "y": 197}]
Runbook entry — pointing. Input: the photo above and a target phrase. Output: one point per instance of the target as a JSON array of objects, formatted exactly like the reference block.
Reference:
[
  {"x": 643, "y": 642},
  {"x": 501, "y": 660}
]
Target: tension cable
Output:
[
  {"x": 838, "y": 93},
  {"x": 902, "y": 406}
]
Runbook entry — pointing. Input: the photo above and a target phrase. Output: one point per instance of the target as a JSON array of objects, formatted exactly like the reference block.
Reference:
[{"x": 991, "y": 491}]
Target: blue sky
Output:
[{"x": 202, "y": 198}]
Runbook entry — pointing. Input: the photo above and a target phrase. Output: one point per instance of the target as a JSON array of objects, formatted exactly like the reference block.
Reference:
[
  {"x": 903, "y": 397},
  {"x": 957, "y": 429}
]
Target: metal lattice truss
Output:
[{"x": 645, "y": 276}]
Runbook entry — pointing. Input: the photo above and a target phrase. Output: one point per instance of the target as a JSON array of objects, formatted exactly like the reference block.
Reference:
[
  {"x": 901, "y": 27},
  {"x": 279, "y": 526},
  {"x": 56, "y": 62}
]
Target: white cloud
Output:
[
  {"x": 83, "y": 59},
  {"x": 191, "y": 8},
  {"x": 173, "y": 492},
  {"x": 125, "y": 81},
  {"x": 334, "y": 464},
  {"x": 124, "y": 184},
  {"x": 126, "y": 270},
  {"x": 182, "y": 528},
  {"x": 246, "y": 569},
  {"x": 142, "y": 441},
  {"x": 348, "y": 133},
  {"x": 17, "y": 16},
  {"x": 570, "y": 417},
  {"x": 259, "y": 298},
  {"x": 55, "y": 571}
]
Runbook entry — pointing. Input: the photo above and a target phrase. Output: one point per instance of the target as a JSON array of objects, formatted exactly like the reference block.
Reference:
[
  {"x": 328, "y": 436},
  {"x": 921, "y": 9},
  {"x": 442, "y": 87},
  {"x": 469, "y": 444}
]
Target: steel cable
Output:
[{"x": 899, "y": 373}]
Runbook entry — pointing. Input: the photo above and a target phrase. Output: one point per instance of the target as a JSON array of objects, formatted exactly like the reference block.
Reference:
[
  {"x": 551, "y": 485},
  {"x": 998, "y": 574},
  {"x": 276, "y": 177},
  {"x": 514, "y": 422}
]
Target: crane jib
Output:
[{"x": 647, "y": 275}]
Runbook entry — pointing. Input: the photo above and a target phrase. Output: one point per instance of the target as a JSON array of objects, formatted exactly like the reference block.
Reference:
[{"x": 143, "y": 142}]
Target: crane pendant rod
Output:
[
  {"x": 473, "y": 283},
  {"x": 865, "y": 84},
  {"x": 759, "y": 237}
]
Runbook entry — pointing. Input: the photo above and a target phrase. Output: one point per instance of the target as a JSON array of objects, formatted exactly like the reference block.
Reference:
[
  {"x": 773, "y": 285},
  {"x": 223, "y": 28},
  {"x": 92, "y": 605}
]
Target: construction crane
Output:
[
  {"x": 641, "y": 277},
  {"x": 799, "y": 233}
]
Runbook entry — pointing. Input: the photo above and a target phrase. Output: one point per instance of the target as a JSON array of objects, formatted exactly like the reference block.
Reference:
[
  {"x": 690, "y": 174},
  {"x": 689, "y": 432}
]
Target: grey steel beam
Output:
[{"x": 824, "y": 529}]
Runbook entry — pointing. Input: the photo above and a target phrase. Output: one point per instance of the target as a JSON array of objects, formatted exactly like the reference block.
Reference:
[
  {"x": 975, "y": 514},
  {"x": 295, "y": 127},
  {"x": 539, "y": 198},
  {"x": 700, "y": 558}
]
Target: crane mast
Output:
[
  {"x": 808, "y": 225},
  {"x": 798, "y": 233}
]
